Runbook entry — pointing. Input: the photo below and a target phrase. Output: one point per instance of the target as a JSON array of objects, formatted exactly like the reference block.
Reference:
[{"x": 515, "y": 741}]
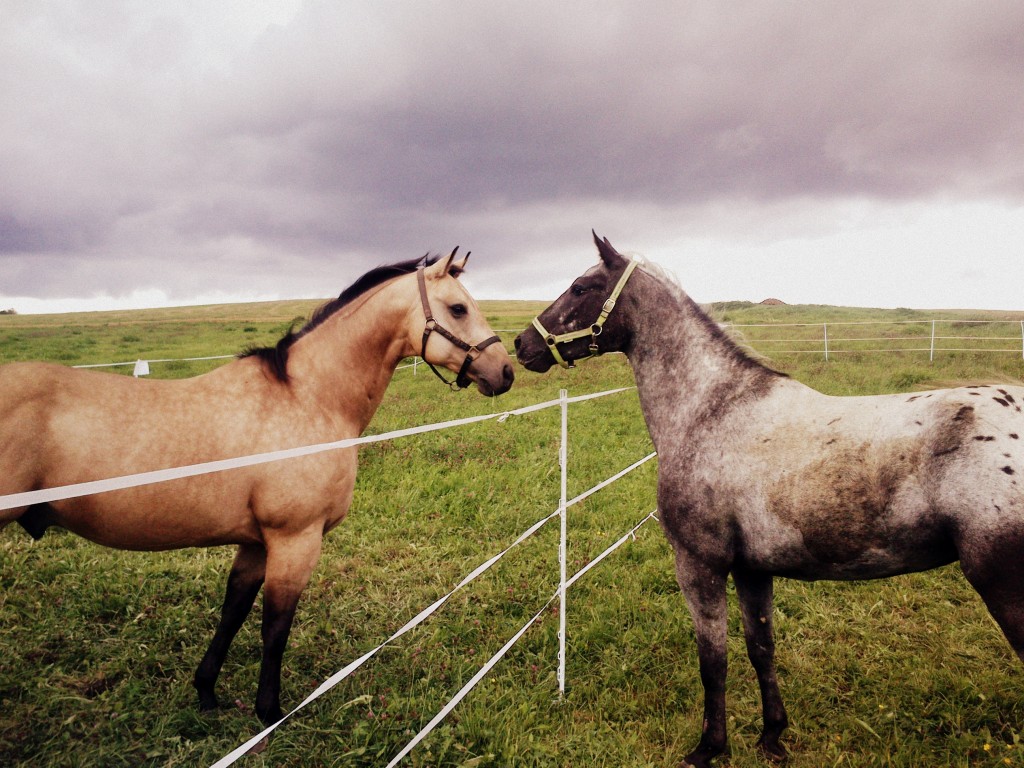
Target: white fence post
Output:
[
  {"x": 563, "y": 457},
  {"x": 931, "y": 350},
  {"x": 1022, "y": 338},
  {"x": 825, "y": 326}
]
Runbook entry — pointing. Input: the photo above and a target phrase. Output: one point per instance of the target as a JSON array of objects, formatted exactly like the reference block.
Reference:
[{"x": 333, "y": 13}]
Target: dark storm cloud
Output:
[{"x": 342, "y": 135}]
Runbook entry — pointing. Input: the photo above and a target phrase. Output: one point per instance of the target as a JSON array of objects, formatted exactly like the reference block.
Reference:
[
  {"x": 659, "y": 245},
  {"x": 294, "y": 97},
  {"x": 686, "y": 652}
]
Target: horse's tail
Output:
[{"x": 35, "y": 520}]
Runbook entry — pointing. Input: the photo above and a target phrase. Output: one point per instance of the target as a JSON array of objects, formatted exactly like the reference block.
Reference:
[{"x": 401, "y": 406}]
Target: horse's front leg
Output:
[
  {"x": 290, "y": 563},
  {"x": 755, "y": 594},
  {"x": 244, "y": 584},
  {"x": 704, "y": 590}
]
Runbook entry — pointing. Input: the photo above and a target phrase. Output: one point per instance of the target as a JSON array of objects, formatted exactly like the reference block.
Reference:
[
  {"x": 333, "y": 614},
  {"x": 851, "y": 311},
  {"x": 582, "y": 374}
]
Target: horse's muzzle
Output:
[
  {"x": 532, "y": 353},
  {"x": 503, "y": 382}
]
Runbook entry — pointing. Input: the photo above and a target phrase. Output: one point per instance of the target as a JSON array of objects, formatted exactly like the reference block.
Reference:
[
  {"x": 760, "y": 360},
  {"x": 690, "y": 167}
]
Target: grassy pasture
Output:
[{"x": 97, "y": 647}]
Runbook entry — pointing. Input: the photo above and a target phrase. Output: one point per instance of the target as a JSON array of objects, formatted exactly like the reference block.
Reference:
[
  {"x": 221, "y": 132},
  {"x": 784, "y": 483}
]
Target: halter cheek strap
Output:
[
  {"x": 553, "y": 340},
  {"x": 431, "y": 325}
]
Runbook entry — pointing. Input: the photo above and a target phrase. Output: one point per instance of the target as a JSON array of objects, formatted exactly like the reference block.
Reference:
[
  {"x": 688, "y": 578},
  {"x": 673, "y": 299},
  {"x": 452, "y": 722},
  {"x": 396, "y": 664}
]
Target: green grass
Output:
[{"x": 97, "y": 647}]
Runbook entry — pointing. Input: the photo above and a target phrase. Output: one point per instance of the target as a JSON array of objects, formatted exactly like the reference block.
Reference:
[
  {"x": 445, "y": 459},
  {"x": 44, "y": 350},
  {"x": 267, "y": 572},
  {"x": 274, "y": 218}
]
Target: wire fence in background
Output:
[
  {"x": 931, "y": 337},
  {"x": 828, "y": 339}
]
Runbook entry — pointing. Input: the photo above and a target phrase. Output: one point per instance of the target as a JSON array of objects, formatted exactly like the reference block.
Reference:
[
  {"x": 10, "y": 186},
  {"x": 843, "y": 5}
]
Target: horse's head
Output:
[
  {"x": 583, "y": 321},
  {"x": 455, "y": 334}
]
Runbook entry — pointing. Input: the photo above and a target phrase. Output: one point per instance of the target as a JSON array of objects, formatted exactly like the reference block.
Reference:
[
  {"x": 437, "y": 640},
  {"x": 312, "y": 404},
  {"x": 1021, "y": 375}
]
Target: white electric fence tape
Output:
[
  {"x": 75, "y": 490},
  {"x": 469, "y": 686},
  {"x": 487, "y": 667}
]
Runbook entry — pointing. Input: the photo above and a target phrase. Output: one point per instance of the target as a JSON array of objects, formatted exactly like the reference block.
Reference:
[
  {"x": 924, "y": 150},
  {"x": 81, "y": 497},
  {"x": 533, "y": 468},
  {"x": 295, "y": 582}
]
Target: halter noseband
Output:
[
  {"x": 472, "y": 350},
  {"x": 553, "y": 340}
]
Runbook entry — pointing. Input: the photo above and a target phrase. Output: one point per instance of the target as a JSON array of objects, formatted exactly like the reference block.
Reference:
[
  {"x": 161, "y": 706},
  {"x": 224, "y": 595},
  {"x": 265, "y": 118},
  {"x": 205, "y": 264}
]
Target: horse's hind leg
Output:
[
  {"x": 755, "y": 594},
  {"x": 996, "y": 571},
  {"x": 244, "y": 584}
]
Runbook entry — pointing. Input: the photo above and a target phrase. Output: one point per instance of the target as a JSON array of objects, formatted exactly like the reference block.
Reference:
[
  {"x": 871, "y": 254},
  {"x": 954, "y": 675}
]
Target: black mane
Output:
[{"x": 276, "y": 357}]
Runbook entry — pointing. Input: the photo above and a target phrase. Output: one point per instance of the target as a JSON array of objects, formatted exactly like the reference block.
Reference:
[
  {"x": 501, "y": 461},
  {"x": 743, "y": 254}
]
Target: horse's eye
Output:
[
  {"x": 458, "y": 310},
  {"x": 579, "y": 290}
]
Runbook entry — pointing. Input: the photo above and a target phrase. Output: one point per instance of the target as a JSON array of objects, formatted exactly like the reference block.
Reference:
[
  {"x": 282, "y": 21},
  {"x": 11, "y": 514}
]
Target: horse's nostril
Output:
[
  {"x": 517, "y": 342},
  {"x": 508, "y": 375}
]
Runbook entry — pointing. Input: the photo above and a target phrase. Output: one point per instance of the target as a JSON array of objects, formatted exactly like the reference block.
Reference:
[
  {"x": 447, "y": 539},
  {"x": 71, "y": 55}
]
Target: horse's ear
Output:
[
  {"x": 443, "y": 266},
  {"x": 458, "y": 267},
  {"x": 607, "y": 251}
]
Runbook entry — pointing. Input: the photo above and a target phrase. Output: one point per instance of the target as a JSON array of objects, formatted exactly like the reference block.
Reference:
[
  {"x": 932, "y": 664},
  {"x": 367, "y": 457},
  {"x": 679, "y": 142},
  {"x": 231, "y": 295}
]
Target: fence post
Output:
[
  {"x": 415, "y": 362},
  {"x": 1022, "y": 338},
  {"x": 931, "y": 351},
  {"x": 825, "y": 326},
  {"x": 563, "y": 460}
]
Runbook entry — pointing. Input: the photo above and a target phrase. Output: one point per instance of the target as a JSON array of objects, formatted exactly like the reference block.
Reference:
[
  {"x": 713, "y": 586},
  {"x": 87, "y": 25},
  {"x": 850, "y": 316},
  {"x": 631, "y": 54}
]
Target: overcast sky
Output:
[{"x": 858, "y": 153}]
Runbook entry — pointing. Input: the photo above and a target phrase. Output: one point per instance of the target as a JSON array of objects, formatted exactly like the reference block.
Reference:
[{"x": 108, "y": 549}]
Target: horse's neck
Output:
[
  {"x": 346, "y": 364},
  {"x": 688, "y": 374}
]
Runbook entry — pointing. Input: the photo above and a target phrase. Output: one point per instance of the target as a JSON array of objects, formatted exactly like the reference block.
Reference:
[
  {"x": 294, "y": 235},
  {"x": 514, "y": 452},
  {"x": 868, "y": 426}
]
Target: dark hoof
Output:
[
  {"x": 270, "y": 716},
  {"x": 207, "y": 701},
  {"x": 773, "y": 751},
  {"x": 701, "y": 758}
]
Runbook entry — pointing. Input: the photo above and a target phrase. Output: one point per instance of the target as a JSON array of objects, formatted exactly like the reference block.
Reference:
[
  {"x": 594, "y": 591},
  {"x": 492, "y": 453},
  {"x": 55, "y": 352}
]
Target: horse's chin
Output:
[{"x": 540, "y": 364}]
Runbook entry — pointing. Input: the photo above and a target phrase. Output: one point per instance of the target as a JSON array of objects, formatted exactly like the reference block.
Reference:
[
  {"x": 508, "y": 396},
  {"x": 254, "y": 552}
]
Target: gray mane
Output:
[{"x": 693, "y": 310}]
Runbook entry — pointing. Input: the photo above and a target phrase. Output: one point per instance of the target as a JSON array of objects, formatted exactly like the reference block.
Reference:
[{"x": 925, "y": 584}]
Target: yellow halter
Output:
[{"x": 593, "y": 331}]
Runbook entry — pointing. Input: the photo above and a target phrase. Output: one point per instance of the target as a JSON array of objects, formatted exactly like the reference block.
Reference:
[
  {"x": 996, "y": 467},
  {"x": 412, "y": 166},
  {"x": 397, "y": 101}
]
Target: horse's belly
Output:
[
  {"x": 151, "y": 521},
  {"x": 872, "y": 565},
  {"x": 792, "y": 556}
]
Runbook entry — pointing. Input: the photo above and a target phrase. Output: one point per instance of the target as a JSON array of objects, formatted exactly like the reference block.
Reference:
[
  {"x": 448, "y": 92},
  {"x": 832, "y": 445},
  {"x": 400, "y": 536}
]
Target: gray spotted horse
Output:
[{"x": 761, "y": 476}]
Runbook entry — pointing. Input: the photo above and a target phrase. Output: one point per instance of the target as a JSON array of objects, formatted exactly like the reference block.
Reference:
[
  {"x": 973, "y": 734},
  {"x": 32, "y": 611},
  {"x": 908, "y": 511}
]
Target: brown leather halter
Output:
[{"x": 472, "y": 350}]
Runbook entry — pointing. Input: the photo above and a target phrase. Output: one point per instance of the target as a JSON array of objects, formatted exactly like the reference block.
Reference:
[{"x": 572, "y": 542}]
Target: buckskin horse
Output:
[
  {"x": 319, "y": 384},
  {"x": 761, "y": 476}
]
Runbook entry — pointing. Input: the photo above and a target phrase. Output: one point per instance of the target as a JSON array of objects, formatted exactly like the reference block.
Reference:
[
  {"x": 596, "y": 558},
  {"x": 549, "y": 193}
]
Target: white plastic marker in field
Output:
[
  {"x": 161, "y": 360},
  {"x": 141, "y": 368}
]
